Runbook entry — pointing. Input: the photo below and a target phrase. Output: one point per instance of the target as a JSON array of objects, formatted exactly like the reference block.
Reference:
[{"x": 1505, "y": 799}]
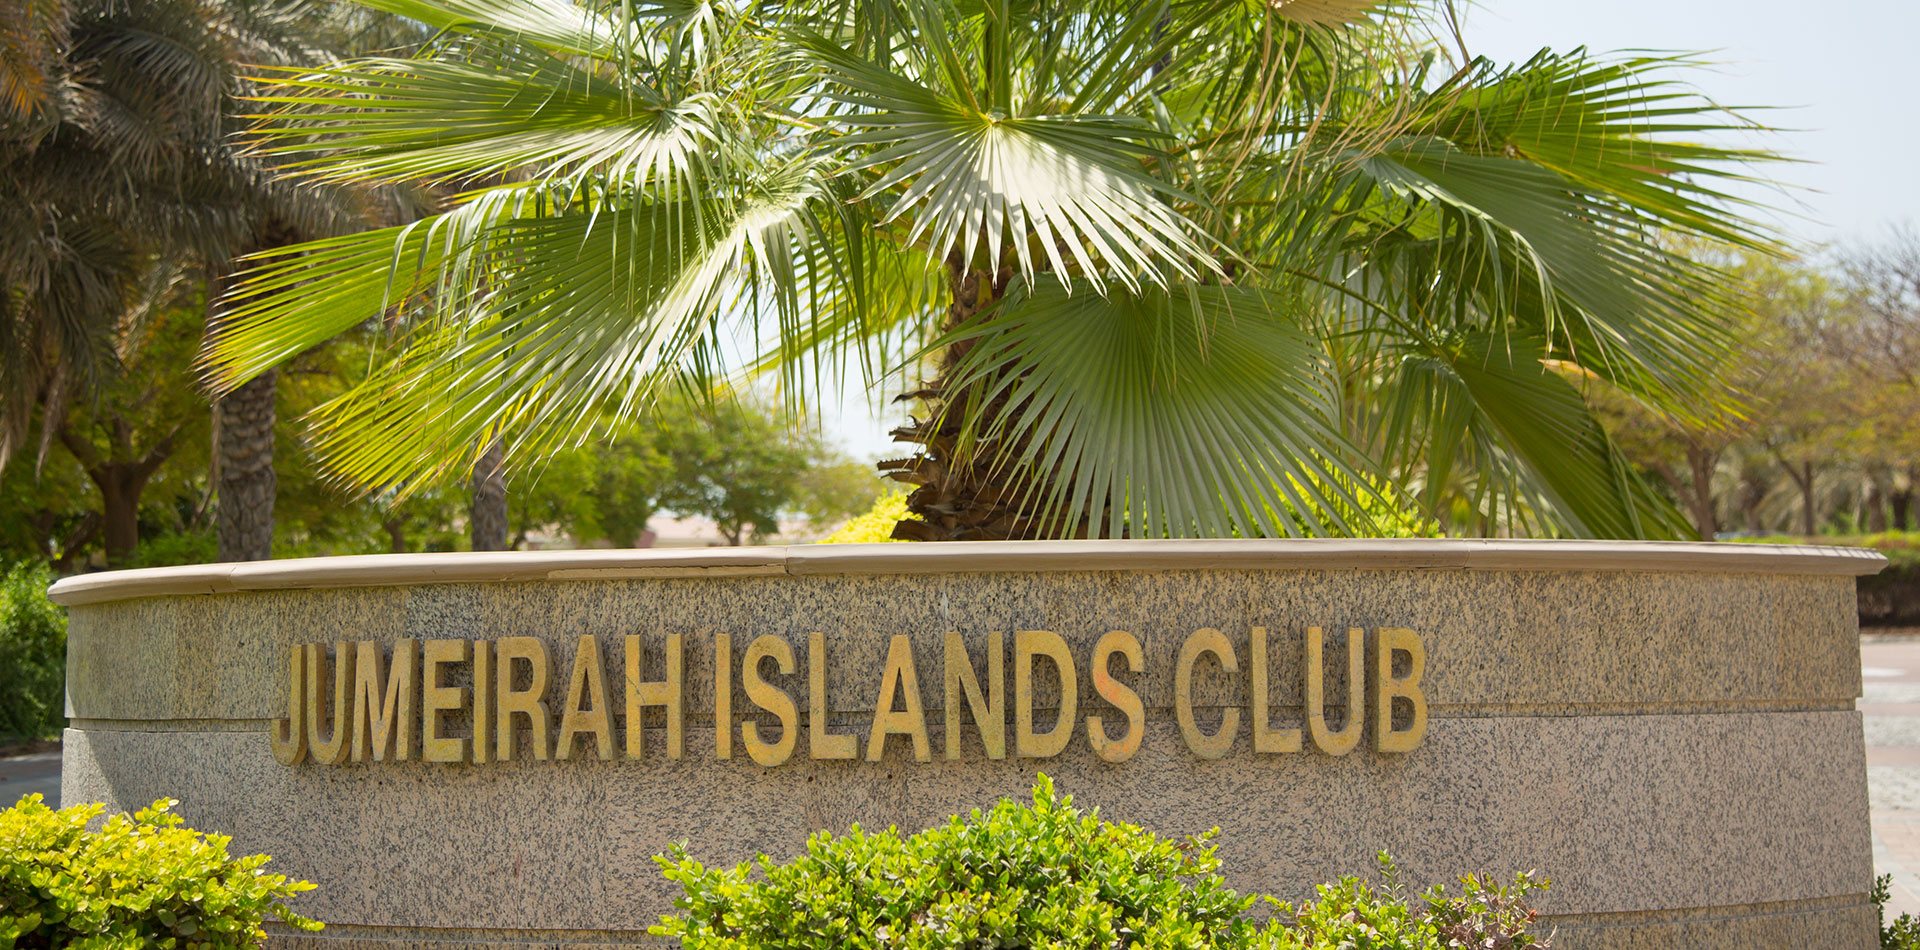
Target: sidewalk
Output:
[{"x": 1890, "y": 707}]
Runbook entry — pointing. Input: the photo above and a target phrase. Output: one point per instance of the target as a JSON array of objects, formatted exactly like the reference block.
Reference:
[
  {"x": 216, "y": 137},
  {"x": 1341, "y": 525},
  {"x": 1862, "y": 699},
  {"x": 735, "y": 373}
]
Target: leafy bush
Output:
[
  {"x": 1052, "y": 877},
  {"x": 1904, "y": 932},
  {"x": 33, "y": 656},
  {"x": 140, "y": 882},
  {"x": 874, "y": 526},
  {"x": 182, "y": 547},
  {"x": 1351, "y": 913}
]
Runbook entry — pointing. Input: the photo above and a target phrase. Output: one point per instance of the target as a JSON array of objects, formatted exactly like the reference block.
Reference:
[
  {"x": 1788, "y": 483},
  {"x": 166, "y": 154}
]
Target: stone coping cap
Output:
[{"x": 388, "y": 570}]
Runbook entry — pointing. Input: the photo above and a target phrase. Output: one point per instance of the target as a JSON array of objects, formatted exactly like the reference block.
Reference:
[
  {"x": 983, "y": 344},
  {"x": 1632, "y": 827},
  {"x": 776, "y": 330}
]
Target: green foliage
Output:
[
  {"x": 1904, "y": 932},
  {"x": 833, "y": 488},
  {"x": 1211, "y": 254},
  {"x": 1353, "y": 913},
  {"x": 1054, "y": 877},
  {"x": 184, "y": 547},
  {"x": 875, "y": 524},
  {"x": 33, "y": 656},
  {"x": 1049, "y": 876},
  {"x": 137, "y": 883},
  {"x": 733, "y": 462}
]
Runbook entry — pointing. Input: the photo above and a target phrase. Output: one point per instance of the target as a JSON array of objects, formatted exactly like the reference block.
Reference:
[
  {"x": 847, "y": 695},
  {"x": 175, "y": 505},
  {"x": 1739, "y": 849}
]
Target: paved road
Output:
[{"x": 26, "y": 774}]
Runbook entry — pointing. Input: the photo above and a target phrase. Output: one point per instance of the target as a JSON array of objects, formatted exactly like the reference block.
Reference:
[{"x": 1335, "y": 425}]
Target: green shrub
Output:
[
  {"x": 1045, "y": 876},
  {"x": 137, "y": 883},
  {"x": 1904, "y": 932},
  {"x": 1352, "y": 913},
  {"x": 33, "y": 656},
  {"x": 1052, "y": 877},
  {"x": 876, "y": 524},
  {"x": 183, "y": 547}
]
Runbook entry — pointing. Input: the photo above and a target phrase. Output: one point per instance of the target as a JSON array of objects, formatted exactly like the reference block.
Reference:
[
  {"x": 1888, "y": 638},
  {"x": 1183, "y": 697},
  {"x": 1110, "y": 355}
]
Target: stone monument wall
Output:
[{"x": 1666, "y": 731}]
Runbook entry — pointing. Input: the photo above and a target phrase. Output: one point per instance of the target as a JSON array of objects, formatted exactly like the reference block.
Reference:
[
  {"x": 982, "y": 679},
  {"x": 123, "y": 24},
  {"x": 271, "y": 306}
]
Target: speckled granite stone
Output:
[
  {"x": 1626, "y": 813},
  {"x": 1493, "y": 639},
  {"x": 1678, "y": 751}
]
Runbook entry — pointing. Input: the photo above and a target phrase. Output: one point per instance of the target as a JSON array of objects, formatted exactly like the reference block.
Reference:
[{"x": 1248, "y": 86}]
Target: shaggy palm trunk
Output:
[
  {"x": 247, "y": 483},
  {"x": 487, "y": 520},
  {"x": 967, "y": 490}
]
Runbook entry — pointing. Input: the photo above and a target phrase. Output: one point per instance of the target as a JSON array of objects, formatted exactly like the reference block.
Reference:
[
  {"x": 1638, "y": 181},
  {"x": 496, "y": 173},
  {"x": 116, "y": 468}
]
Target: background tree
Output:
[
  {"x": 147, "y": 414},
  {"x": 1148, "y": 250},
  {"x": 731, "y": 464}
]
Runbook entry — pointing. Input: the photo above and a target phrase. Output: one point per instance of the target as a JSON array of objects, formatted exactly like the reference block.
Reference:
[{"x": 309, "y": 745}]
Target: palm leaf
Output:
[
  {"x": 1065, "y": 193},
  {"x": 1206, "y": 413}
]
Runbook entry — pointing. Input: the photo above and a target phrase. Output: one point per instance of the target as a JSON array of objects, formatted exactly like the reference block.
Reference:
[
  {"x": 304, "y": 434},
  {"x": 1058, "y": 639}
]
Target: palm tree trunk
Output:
[
  {"x": 487, "y": 519},
  {"x": 969, "y": 494},
  {"x": 247, "y": 483}
]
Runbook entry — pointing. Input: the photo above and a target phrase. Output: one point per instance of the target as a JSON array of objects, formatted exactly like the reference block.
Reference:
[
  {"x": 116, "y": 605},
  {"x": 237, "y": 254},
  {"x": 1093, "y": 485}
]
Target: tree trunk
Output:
[
  {"x": 396, "y": 529},
  {"x": 120, "y": 505},
  {"x": 120, "y": 479},
  {"x": 487, "y": 520},
  {"x": 1901, "y": 500},
  {"x": 1753, "y": 491},
  {"x": 247, "y": 482},
  {"x": 1803, "y": 478},
  {"x": 1876, "y": 500},
  {"x": 1706, "y": 522},
  {"x": 977, "y": 495}
]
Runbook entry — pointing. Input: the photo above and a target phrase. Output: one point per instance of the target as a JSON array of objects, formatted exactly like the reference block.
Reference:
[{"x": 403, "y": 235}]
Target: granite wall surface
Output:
[{"x": 1676, "y": 748}]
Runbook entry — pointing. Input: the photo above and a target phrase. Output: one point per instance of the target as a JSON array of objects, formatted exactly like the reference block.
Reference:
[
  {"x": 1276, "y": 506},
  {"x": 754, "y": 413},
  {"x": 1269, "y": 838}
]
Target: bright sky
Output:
[{"x": 1837, "y": 74}]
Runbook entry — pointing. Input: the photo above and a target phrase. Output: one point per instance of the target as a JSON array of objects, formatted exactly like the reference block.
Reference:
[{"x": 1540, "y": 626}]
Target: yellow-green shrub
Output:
[
  {"x": 876, "y": 524},
  {"x": 139, "y": 883}
]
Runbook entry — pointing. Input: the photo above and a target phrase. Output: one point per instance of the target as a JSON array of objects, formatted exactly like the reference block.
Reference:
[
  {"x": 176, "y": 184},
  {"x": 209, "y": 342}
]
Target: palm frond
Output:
[{"x": 1201, "y": 413}]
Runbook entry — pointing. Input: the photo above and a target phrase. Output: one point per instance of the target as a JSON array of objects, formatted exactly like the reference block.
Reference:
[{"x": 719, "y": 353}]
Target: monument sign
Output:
[{"x": 484, "y": 751}]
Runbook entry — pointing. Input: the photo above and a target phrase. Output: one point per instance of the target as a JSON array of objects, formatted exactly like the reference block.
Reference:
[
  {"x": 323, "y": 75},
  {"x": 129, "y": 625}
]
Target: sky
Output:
[{"x": 1835, "y": 76}]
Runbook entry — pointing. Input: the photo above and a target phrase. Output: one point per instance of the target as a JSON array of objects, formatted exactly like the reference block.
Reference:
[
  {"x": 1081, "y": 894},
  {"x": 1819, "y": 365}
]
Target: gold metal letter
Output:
[
  {"x": 289, "y": 735},
  {"x": 333, "y": 749},
  {"x": 822, "y": 744},
  {"x": 1028, "y": 644},
  {"x": 770, "y": 698},
  {"x": 1204, "y": 640},
  {"x": 989, "y": 713},
  {"x": 1326, "y": 740},
  {"x": 665, "y": 693},
  {"x": 589, "y": 682},
  {"x": 722, "y": 696},
  {"x": 1386, "y": 641},
  {"x": 384, "y": 718},
  {"x": 528, "y": 702},
  {"x": 435, "y": 699},
  {"x": 912, "y": 721},
  {"x": 1266, "y": 739},
  {"x": 1118, "y": 695},
  {"x": 482, "y": 745}
]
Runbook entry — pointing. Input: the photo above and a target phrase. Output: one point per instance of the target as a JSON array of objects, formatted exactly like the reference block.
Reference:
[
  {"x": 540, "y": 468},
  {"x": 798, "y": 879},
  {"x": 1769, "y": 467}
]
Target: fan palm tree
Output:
[{"x": 1194, "y": 268}]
